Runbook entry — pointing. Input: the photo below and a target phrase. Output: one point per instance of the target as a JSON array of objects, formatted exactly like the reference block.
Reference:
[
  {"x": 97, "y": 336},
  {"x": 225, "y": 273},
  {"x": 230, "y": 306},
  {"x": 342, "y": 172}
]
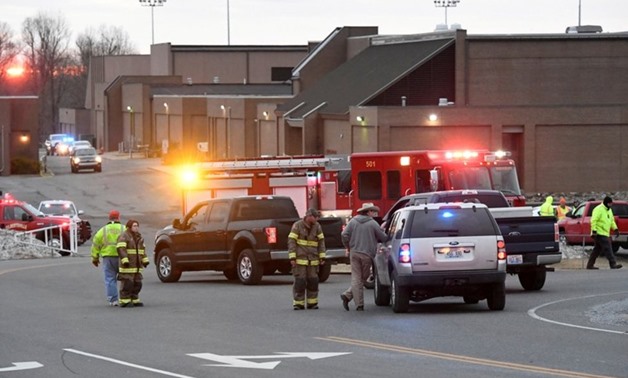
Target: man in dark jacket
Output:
[{"x": 360, "y": 237}]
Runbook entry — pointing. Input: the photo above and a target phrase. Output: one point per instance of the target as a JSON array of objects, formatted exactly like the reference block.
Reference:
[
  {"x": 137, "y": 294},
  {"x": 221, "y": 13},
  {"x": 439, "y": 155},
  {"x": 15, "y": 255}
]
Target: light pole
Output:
[
  {"x": 131, "y": 130},
  {"x": 152, "y": 4},
  {"x": 168, "y": 127},
  {"x": 228, "y": 26},
  {"x": 227, "y": 116},
  {"x": 446, "y": 4}
]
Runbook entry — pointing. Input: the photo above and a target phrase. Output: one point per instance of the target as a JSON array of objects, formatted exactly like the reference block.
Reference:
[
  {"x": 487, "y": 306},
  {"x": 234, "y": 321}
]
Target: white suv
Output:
[{"x": 437, "y": 250}]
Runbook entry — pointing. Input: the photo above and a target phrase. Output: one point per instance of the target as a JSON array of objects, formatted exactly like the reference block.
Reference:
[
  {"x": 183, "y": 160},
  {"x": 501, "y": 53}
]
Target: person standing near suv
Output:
[
  {"x": 133, "y": 260},
  {"x": 602, "y": 223},
  {"x": 104, "y": 245},
  {"x": 360, "y": 237}
]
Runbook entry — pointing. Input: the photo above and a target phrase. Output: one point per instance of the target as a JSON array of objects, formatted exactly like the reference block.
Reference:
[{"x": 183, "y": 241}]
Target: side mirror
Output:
[{"x": 176, "y": 223}]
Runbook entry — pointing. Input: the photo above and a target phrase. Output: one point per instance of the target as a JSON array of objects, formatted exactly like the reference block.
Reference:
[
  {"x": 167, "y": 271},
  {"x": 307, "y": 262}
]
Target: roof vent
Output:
[
  {"x": 441, "y": 27},
  {"x": 583, "y": 29}
]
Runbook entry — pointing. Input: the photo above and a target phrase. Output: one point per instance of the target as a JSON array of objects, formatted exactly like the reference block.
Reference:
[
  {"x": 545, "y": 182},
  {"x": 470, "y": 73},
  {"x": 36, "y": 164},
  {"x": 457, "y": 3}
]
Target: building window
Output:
[{"x": 281, "y": 73}]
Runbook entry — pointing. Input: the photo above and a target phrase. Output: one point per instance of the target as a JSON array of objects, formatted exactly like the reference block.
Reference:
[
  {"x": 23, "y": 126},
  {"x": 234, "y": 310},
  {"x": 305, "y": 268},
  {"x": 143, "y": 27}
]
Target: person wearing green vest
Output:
[
  {"x": 602, "y": 223},
  {"x": 547, "y": 208},
  {"x": 104, "y": 246}
]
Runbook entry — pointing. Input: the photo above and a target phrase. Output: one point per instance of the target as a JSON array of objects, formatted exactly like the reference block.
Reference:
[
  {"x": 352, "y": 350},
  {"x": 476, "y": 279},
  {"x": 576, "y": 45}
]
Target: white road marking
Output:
[
  {"x": 124, "y": 363},
  {"x": 241, "y": 361},
  {"x": 532, "y": 313},
  {"x": 22, "y": 366}
]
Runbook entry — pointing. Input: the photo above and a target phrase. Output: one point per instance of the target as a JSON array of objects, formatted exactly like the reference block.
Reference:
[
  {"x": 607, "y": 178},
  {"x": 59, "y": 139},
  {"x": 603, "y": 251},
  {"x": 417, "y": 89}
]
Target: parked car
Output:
[
  {"x": 67, "y": 208},
  {"x": 438, "y": 250},
  {"x": 85, "y": 158},
  {"x": 575, "y": 228}
]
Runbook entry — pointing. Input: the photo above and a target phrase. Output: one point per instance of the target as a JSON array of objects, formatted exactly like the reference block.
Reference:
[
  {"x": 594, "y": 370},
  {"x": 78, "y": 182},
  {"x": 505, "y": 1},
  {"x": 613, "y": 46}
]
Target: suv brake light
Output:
[
  {"x": 271, "y": 234},
  {"x": 556, "y": 233},
  {"x": 501, "y": 250},
  {"x": 404, "y": 253}
]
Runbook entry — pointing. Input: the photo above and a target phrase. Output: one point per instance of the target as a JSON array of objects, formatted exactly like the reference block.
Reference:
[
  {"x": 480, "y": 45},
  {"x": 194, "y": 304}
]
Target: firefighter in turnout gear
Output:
[
  {"x": 133, "y": 260},
  {"x": 306, "y": 250}
]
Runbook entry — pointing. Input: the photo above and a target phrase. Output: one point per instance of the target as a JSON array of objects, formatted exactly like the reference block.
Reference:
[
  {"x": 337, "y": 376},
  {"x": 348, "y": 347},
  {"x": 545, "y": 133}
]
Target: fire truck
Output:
[
  {"x": 383, "y": 177},
  {"x": 311, "y": 181},
  {"x": 338, "y": 185}
]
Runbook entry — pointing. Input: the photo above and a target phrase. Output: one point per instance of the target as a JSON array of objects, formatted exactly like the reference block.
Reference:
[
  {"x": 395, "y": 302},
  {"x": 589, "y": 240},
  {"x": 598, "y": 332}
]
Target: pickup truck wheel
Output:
[
  {"x": 249, "y": 271},
  {"x": 381, "y": 293},
  {"x": 400, "y": 297},
  {"x": 166, "y": 268},
  {"x": 324, "y": 271},
  {"x": 534, "y": 280},
  {"x": 496, "y": 297}
]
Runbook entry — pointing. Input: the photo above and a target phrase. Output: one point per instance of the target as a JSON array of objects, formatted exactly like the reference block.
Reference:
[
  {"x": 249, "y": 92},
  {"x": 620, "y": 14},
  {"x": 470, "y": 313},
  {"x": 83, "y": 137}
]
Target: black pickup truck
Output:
[
  {"x": 532, "y": 243},
  {"x": 244, "y": 237}
]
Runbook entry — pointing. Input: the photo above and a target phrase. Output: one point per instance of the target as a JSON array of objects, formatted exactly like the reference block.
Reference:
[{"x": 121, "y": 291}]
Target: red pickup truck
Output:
[
  {"x": 20, "y": 216},
  {"x": 575, "y": 228}
]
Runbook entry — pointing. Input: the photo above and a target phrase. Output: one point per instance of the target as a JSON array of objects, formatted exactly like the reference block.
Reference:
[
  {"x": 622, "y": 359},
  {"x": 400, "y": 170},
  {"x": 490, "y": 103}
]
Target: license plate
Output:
[
  {"x": 515, "y": 259},
  {"x": 451, "y": 253}
]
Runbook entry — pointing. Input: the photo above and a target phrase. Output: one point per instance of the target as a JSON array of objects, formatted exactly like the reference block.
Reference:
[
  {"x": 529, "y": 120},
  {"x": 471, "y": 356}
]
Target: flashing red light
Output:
[
  {"x": 404, "y": 253},
  {"x": 271, "y": 234}
]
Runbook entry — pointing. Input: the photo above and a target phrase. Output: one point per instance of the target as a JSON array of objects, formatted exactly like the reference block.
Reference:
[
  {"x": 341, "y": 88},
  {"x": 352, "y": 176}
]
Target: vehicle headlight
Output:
[
  {"x": 98, "y": 159},
  {"x": 76, "y": 160}
]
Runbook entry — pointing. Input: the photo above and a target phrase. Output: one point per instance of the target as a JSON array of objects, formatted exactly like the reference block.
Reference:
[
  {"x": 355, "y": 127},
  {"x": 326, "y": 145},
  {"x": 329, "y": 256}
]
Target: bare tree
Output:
[
  {"x": 46, "y": 41},
  {"x": 8, "y": 49},
  {"x": 110, "y": 40}
]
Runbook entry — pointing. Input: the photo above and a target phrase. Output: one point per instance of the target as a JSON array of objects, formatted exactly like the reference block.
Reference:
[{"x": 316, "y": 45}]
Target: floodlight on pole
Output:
[
  {"x": 152, "y": 4},
  {"x": 446, "y": 4}
]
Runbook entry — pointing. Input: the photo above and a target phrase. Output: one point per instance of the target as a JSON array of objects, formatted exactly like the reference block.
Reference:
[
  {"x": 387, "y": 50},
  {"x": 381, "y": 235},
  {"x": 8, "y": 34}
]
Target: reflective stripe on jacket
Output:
[
  {"x": 131, "y": 250},
  {"x": 105, "y": 241},
  {"x": 306, "y": 244},
  {"x": 602, "y": 220}
]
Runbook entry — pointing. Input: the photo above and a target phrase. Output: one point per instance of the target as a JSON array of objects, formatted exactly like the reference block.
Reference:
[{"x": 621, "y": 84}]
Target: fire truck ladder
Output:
[{"x": 281, "y": 164}]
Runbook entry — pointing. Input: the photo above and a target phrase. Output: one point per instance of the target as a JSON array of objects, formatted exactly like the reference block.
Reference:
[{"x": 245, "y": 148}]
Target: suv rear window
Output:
[{"x": 452, "y": 222}]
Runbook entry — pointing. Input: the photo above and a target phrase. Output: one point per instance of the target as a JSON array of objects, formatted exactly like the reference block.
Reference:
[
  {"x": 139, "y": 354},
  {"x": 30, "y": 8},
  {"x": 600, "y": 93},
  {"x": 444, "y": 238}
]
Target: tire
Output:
[
  {"x": 400, "y": 297},
  {"x": 249, "y": 270},
  {"x": 533, "y": 280},
  {"x": 470, "y": 300},
  {"x": 496, "y": 297},
  {"x": 231, "y": 274},
  {"x": 324, "y": 271},
  {"x": 381, "y": 293},
  {"x": 166, "y": 268}
]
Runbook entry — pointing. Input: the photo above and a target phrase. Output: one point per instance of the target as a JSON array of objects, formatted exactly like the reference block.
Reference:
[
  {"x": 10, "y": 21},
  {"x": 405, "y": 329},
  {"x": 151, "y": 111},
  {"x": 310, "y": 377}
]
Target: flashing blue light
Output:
[{"x": 448, "y": 214}]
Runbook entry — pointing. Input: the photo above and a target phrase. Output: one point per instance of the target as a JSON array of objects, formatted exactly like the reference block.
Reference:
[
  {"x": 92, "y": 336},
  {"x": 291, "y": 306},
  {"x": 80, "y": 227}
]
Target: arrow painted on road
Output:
[
  {"x": 241, "y": 361},
  {"x": 22, "y": 366}
]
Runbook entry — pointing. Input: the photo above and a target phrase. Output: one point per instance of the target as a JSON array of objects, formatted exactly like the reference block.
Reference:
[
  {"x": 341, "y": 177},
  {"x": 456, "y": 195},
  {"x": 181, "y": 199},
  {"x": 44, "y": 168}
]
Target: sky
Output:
[{"x": 297, "y": 22}]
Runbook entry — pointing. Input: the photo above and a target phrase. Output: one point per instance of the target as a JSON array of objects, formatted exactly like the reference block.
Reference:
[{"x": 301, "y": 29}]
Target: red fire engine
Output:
[
  {"x": 338, "y": 185},
  {"x": 383, "y": 177}
]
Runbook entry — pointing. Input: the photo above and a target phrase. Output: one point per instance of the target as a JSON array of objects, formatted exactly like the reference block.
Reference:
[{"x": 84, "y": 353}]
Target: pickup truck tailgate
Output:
[{"x": 528, "y": 234}]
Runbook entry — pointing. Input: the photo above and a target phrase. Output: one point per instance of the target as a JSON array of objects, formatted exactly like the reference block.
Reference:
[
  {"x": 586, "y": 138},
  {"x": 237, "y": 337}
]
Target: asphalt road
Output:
[{"x": 55, "y": 323}]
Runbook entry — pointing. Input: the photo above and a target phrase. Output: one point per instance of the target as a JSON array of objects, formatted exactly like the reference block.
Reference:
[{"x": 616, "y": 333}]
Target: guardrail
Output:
[{"x": 62, "y": 239}]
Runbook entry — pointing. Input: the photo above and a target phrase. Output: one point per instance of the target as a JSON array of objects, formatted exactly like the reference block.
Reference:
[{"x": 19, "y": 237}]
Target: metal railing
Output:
[{"x": 62, "y": 239}]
